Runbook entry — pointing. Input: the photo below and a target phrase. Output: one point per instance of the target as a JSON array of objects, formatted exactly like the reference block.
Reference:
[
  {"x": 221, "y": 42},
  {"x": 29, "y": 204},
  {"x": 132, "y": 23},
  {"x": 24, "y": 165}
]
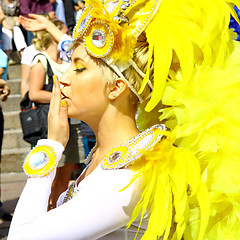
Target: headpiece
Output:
[
  {"x": 110, "y": 29},
  {"x": 196, "y": 78}
]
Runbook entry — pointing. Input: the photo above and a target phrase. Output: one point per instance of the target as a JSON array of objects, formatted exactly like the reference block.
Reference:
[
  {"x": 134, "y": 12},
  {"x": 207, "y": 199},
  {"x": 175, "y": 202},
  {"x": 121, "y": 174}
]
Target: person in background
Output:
[
  {"x": 26, "y": 60},
  {"x": 79, "y": 6},
  {"x": 69, "y": 14},
  {"x": 11, "y": 29},
  {"x": 37, "y": 7},
  {"x": 58, "y": 7}
]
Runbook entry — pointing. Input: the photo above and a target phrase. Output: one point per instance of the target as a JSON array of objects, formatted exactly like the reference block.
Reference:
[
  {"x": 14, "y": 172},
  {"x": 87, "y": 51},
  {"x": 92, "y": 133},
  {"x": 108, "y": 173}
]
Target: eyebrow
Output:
[{"x": 76, "y": 59}]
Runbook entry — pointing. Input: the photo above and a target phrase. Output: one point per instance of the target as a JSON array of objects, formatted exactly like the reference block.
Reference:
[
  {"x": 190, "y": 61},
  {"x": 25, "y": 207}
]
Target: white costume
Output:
[{"x": 93, "y": 209}]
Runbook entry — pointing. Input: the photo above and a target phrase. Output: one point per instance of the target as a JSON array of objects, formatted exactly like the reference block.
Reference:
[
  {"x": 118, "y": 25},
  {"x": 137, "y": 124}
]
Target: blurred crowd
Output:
[{"x": 14, "y": 38}]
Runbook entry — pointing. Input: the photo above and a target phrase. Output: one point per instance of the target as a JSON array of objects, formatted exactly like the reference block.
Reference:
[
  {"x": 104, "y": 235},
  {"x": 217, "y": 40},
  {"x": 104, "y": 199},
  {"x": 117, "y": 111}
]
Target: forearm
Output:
[
  {"x": 33, "y": 201},
  {"x": 54, "y": 31},
  {"x": 98, "y": 208},
  {"x": 40, "y": 96}
]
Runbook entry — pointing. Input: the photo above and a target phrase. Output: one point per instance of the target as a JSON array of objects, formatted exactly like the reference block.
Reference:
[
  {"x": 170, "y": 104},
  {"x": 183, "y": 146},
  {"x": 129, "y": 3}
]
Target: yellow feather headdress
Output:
[{"x": 197, "y": 81}]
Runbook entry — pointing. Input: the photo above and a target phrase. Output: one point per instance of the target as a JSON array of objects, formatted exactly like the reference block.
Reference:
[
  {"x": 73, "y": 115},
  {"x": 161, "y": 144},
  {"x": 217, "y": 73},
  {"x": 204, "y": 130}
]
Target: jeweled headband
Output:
[{"x": 109, "y": 30}]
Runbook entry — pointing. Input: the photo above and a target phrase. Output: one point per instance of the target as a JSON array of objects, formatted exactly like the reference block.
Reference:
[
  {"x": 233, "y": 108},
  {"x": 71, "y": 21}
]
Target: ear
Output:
[{"x": 118, "y": 87}]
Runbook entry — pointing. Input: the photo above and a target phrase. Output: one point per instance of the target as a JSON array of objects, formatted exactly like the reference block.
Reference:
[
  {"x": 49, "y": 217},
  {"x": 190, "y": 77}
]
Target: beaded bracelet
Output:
[{"x": 40, "y": 161}]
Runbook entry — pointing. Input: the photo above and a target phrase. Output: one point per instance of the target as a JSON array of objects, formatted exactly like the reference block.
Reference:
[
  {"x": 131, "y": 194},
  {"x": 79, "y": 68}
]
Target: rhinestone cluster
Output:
[
  {"x": 40, "y": 161},
  {"x": 71, "y": 191},
  {"x": 98, "y": 38},
  {"x": 101, "y": 43},
  {"x": 123, "y": 155}
]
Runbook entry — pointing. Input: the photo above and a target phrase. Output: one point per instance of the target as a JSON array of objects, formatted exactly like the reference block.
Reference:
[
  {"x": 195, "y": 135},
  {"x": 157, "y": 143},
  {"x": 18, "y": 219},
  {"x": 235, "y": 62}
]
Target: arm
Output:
[
  {"x": 36, "y": 83},
  {"x": 98, "y": 208},
  {"x": 2, "y": 15},
  {"x": 38, "y": 22}
]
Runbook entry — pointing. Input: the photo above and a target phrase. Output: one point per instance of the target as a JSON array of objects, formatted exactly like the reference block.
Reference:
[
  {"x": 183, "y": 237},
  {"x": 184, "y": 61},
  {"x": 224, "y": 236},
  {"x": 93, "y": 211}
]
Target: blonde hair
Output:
[
  {"x": 140, "y": 57},
  {"x": 43, "y": 39}
]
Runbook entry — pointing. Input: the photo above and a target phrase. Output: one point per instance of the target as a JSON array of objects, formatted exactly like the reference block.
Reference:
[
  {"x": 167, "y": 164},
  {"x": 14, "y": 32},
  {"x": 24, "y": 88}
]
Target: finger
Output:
[
  {"x": 33, "y": 16},
  {"x": 56, "y": 96},
  {"x": 64, "y": 110},
  {"x": 24, "y": 22}
]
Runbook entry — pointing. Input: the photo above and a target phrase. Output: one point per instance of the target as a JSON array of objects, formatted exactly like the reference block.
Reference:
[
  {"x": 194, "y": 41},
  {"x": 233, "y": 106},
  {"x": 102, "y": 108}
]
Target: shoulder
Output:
[
  {"x": 40, "y": 58},
  {"x": 28, "y": 55},
  {"x": 126, "y": 154}
]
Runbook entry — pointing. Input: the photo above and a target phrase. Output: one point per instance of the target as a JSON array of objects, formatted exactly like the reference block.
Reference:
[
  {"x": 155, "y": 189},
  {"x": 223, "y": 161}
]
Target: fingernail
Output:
[{"x": 63, "y": 103}]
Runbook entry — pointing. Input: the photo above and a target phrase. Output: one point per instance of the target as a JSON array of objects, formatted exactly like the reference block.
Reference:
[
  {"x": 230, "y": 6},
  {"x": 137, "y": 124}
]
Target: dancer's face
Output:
[{"x": 84, "y": 87}]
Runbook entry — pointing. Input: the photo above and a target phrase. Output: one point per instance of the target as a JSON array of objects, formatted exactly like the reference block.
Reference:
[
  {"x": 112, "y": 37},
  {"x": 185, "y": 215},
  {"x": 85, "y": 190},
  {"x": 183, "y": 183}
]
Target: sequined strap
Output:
[{"x": 123, "y": 155}]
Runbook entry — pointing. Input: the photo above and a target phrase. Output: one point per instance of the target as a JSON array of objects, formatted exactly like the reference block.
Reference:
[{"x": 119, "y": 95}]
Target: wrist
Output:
[{"x": 43, "y": 159}]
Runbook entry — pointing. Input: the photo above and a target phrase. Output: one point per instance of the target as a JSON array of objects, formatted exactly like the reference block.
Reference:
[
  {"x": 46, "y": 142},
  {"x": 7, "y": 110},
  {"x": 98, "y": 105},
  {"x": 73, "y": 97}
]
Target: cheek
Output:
[{"x": 88, "y": 91}]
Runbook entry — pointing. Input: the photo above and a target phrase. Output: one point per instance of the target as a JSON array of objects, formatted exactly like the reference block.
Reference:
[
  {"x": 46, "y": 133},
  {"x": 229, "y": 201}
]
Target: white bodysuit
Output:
[{"x": 95, "y": 212}]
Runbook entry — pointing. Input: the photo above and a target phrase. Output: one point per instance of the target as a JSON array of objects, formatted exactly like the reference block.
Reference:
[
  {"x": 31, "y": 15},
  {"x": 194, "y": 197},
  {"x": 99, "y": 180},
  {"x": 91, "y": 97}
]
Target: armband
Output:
[{"x": 40, "y": 162}]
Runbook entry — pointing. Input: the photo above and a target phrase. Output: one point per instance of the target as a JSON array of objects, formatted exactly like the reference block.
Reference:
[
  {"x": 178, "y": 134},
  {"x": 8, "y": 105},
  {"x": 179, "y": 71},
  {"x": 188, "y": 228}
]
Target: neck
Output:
[
  {"x": 52, "y": 52},
  {"x": 114, "y": 128}
]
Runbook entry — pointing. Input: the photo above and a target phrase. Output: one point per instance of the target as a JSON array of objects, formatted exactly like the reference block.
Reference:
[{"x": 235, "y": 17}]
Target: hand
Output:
[
  {"x": 58, "y": 125},
  {"x": 34, "y": 23},
  {"x": 52, "y": 15},
  {"x": 4, "y": 90}
]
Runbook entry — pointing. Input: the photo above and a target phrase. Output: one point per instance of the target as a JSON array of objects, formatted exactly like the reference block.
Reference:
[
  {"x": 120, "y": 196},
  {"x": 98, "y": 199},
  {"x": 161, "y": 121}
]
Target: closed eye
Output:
[{"x": 79, "y": 69}]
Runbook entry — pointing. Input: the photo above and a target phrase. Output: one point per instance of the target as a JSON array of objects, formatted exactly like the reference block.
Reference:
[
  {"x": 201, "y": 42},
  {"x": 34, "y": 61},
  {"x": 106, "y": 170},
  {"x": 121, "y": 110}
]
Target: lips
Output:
[{"x": 63, "y": 96}]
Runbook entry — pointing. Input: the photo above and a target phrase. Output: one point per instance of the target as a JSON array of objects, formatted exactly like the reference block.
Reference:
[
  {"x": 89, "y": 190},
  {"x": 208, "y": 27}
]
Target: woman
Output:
[{"x": 189, "y": 75}]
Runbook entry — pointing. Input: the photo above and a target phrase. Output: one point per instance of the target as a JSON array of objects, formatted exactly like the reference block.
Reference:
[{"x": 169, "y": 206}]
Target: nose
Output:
[{"x": 65, "y": 79}]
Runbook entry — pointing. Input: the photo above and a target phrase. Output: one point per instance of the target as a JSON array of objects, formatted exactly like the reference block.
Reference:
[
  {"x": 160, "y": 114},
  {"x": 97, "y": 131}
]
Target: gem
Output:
[
  {"x": 123, "y": 7},
  {"x": 98, "y": 38},
  {"x": 117, "y": 18},
  {"x": 115, "y": 156},
  {"x": 82, "y": 24},
  {"x": 38, "y": 160}
]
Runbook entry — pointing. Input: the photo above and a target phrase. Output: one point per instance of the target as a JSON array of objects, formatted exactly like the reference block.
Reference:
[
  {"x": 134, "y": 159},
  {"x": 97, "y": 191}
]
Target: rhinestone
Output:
[
  {"x": 38, "y": 160},
  {"x": 116, "y": 18},
  {"x": 123, "y": 7},
  {"x": 98, "y": 38},
  {"x": 82, "y": 24},
  {"x": 115, "y": 156}
]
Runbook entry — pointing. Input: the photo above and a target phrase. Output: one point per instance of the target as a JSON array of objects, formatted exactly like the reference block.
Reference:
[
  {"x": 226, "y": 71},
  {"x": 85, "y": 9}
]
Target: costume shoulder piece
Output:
[{"x": 123, "y": 155}]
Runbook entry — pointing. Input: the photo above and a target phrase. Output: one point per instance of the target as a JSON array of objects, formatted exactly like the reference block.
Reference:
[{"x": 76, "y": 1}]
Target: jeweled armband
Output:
[{"x": 40, "y": 161}]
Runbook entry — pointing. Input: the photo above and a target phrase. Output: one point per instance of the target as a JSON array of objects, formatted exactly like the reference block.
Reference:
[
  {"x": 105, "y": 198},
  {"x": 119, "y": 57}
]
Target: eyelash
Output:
[{"x": 79, "y": 69}]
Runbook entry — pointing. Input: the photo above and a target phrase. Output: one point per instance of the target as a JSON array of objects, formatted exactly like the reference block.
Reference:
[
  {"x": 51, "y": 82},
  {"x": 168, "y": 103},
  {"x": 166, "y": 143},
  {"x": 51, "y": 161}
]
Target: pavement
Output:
[{"x": 12, "y": 185}]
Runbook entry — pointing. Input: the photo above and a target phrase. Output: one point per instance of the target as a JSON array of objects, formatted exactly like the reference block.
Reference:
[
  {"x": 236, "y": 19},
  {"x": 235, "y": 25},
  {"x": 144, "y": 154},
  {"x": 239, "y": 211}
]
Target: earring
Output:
[{"x": 113, "y": 95}]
